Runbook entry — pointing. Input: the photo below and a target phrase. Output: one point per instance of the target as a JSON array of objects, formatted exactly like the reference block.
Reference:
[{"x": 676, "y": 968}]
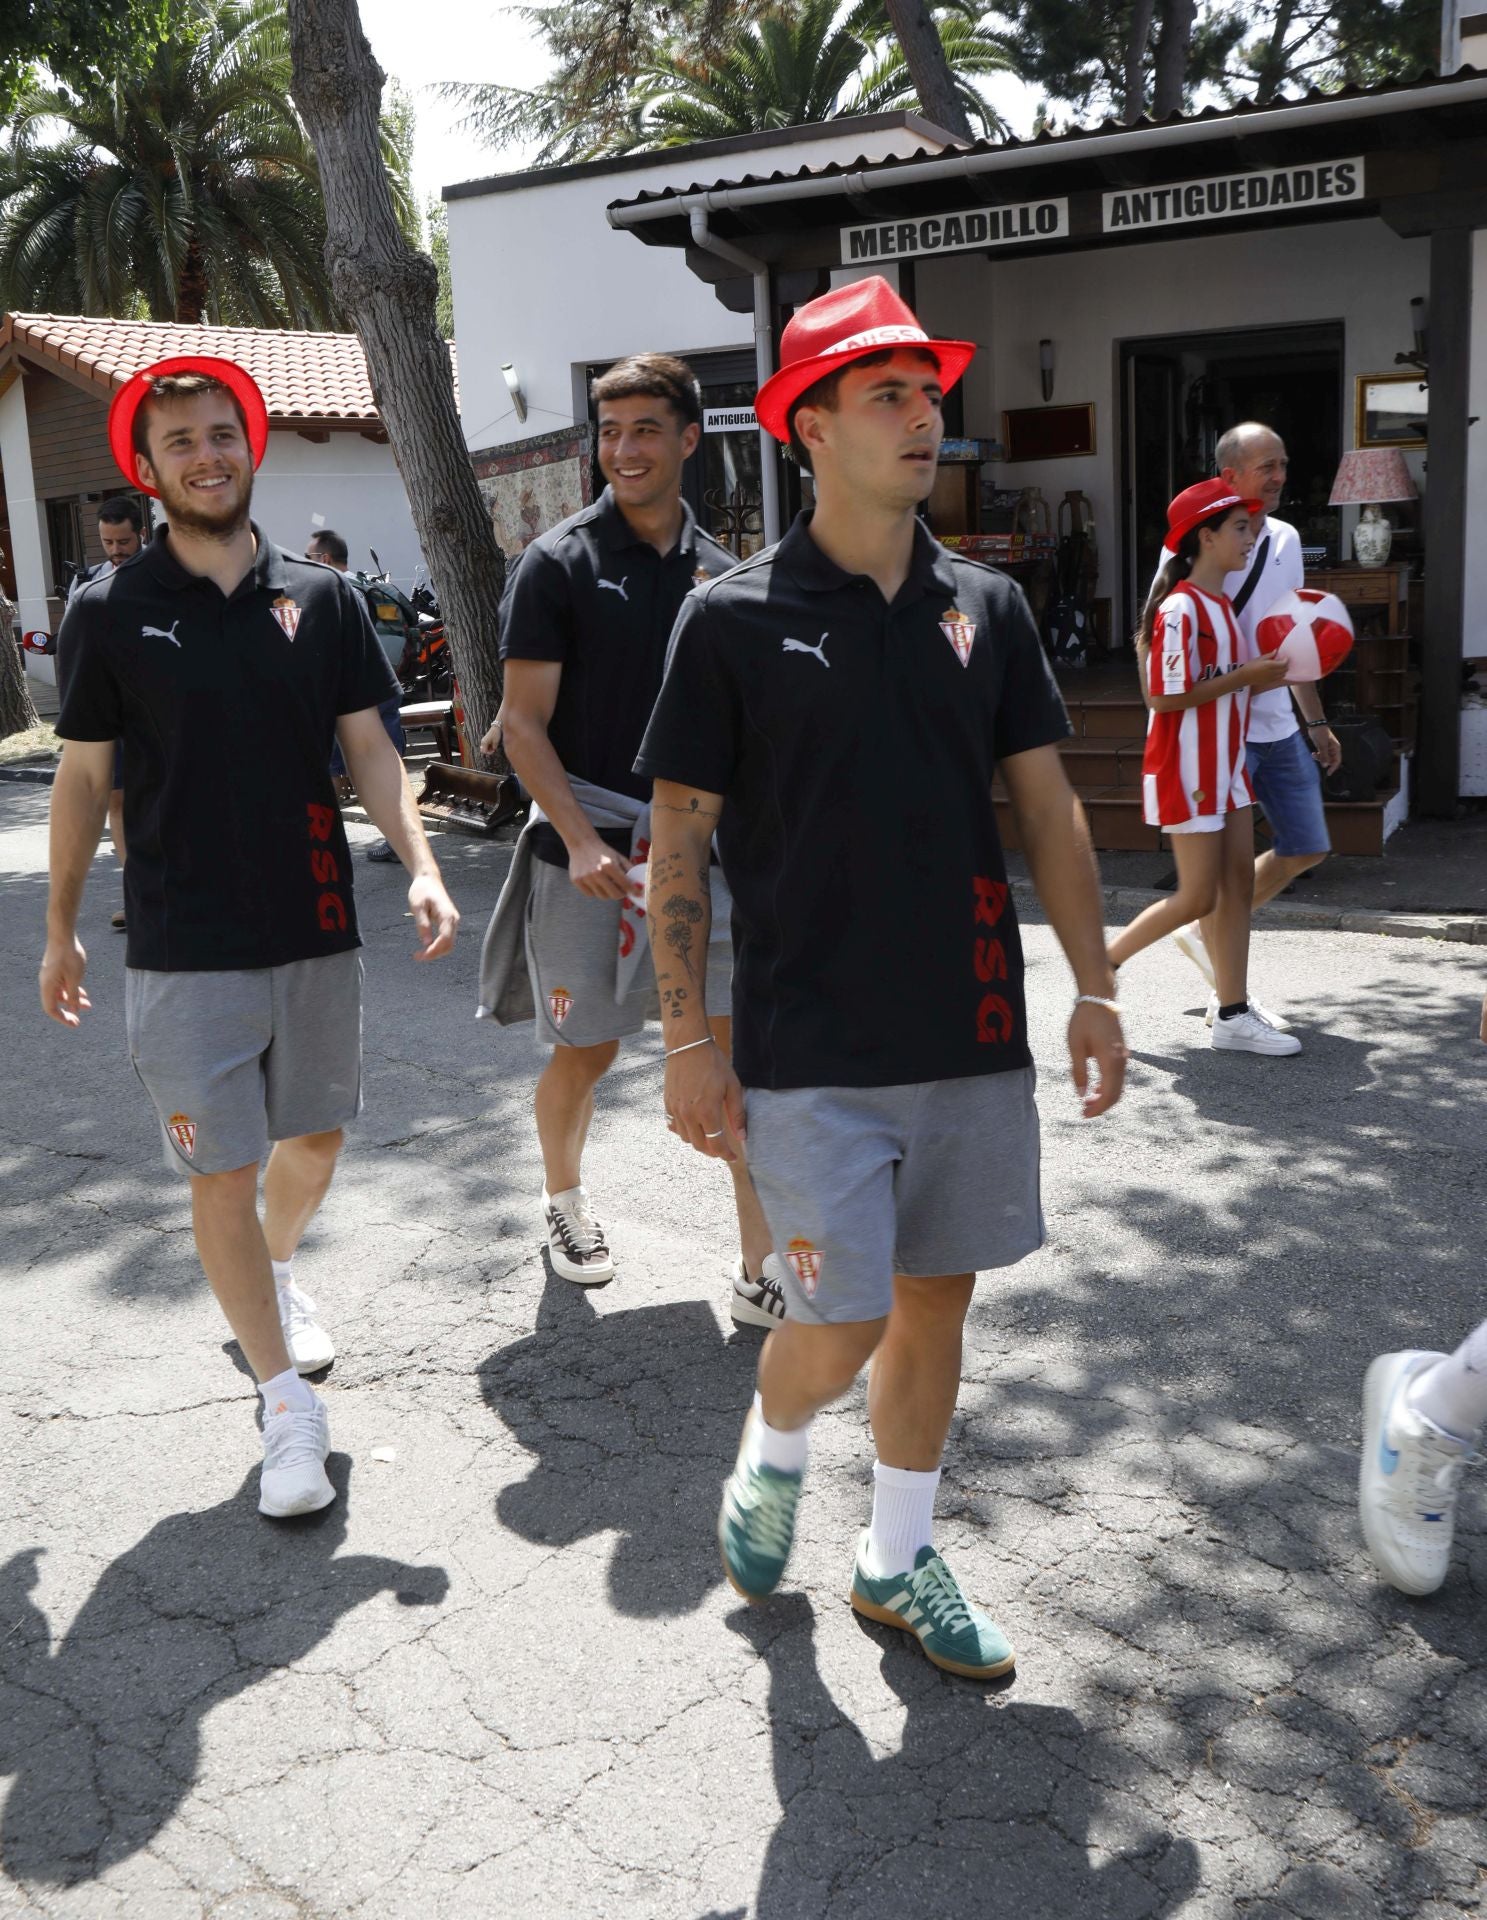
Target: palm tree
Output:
[
  {"x": 187, "y": 191},
  {"x": 777, "y": 64},
  {"x": 811, "y": 62}
]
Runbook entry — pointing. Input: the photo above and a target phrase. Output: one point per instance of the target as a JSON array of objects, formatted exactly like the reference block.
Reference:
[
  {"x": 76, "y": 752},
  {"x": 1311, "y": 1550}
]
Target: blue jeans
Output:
[{"x": 1288, "y": 785}]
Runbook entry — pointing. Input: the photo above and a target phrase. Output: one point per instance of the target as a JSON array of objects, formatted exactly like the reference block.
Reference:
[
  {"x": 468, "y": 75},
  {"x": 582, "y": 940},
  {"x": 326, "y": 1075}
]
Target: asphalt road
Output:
[{"x": 502, "y": 1674}]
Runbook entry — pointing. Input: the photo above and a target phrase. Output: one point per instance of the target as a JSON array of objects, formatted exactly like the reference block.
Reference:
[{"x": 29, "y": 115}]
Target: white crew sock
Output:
[
  {"x": 783, "y": 1448},
  {"x": 286, "y": 1393},
  {"x": 903, "y": 1519},
  {"x": 1453, "y": 1393},
  {"x": 283, "y": 1271}
]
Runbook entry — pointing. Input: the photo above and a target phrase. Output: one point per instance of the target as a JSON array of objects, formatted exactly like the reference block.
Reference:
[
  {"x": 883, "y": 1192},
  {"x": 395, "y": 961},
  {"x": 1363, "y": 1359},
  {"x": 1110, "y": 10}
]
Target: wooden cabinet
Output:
[{"x": 1377, "y": 677}]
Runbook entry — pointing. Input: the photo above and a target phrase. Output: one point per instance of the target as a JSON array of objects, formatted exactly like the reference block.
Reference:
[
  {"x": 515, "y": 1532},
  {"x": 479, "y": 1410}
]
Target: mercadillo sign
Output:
[
  {"x": 1233, "y": 196},
  {"x": 956, "y": 232}
]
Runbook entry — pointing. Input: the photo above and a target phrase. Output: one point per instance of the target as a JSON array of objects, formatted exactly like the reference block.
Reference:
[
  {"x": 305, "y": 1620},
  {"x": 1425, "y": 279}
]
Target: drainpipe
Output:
[{"x": 769, "y": 470}]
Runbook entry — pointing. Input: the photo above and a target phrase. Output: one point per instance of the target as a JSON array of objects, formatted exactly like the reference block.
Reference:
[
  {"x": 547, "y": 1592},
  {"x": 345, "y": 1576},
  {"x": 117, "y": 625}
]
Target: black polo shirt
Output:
[
  {"x": 227, "y": 709},
  {"x": 875, "y": 941},
  {"x": 595, "y": 596}
]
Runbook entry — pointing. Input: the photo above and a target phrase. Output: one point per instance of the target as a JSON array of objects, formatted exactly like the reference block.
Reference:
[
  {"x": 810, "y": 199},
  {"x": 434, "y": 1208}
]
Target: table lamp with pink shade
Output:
[{"x": 1366, "y": 478}]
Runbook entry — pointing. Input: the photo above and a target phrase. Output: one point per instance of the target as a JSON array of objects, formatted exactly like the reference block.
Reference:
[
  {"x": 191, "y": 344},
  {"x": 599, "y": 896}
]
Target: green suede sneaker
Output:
[
  {"x": 929, "y": 1604},
  {"x": 756, "y": 1524}
]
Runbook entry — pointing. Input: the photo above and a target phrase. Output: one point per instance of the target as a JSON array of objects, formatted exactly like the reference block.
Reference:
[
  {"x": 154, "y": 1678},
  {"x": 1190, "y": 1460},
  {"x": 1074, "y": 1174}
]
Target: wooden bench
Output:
[{"x": 435, "y": 717}]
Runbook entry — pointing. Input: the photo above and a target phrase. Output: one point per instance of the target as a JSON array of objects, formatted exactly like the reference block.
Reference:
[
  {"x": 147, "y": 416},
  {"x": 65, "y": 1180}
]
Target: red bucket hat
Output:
[
  {"x": 1196, "y": 504},
  {"x": 863, "y": 317},
  {"x": 126, "y": 404}
]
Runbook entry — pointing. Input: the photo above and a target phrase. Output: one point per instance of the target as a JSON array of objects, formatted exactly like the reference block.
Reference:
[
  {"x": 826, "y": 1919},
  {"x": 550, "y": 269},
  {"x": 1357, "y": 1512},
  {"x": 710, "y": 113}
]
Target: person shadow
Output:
[
  {"x": 627, "y": 1414},
  {"x": 991, "y": 1805},
  {"x": 103, "y": 1735}
]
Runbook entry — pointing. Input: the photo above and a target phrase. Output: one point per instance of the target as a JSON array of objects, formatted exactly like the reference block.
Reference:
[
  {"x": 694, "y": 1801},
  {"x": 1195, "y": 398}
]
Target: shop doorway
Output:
[{"x": 1180, "y": 392}]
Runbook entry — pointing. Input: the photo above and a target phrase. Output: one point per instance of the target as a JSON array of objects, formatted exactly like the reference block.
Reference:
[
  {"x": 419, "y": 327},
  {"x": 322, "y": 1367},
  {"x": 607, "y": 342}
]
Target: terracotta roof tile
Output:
[{"x": 304, "y": 376}]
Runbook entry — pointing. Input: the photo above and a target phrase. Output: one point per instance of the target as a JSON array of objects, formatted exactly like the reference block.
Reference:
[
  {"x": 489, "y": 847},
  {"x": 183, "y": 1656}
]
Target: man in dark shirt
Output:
[
  {"x": 584, "y": 627},
  {"x": 835, "y": 710},
  {"x": 226, "y": 667},
  {"x": 121, "y": 534}
]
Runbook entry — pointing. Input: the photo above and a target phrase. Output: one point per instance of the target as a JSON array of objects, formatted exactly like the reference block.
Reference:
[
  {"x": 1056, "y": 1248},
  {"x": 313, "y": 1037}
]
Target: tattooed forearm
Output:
[
  {"x": 693, "y": 810},
  {"x": 673, "y": 1002},
  {"x": 683, "y": 915},
  {"x": 665, "y": 869}
]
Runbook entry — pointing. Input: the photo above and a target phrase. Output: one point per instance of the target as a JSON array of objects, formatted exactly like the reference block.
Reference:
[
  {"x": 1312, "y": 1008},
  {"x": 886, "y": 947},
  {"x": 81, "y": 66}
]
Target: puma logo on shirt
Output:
[
  {"x": 819, "y": 650},
  {"x": 159, "y": 633},
  {"x": 618, "y": 586}
]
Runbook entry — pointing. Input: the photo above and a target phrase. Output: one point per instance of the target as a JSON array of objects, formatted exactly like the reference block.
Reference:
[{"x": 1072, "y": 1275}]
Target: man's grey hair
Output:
[{"x": 1234, "y": 445}]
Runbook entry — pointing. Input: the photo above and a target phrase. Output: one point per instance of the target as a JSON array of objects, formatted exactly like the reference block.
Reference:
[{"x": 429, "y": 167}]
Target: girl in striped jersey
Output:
[{"x": 1197, "y": 684}]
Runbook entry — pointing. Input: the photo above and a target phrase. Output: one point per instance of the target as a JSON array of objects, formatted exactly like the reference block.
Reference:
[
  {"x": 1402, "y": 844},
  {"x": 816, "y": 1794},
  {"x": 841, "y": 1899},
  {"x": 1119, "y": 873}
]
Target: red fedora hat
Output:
[
  {"x": 126, "y": 403},
  {"x": 865, "y": 316}
]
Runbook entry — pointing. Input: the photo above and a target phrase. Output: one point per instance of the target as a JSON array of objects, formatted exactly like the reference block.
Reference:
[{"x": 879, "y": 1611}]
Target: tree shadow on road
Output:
[
  {"x": 104, "y": 1735},
  {"x": 990, "y": 1806},
  {"x": 622, "y": 1409}
]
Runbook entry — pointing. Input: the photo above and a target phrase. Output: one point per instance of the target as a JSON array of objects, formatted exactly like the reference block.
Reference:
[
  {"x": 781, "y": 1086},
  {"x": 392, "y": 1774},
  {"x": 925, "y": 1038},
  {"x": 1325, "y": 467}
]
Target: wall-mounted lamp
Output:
[
  {"x": 513, "y": 387},
  {"x": 1045, "y": 367}
]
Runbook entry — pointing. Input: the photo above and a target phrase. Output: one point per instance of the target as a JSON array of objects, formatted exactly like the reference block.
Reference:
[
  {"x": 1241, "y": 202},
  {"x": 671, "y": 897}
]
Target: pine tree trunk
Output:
[
  {"x": 17, "y": 714},
  {"x": 914, "y": 27},
  {"x": 389, "y": 291},
  {"x": 1138, "y": 33},
  {"x": 1172, "y": 57}
]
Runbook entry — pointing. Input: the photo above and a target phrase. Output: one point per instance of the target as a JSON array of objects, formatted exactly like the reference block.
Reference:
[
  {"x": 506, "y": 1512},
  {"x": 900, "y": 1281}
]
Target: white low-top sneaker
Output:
[
  {"x": 1248, "y": 1033},
  {"x": 761, "y": 1302},
  {"x": 575, "y": 1241},
  {"x": 310, "y": 1347},
  {"x": 1271, "y": 1019},
  {"x": 296, "y": 1444},
  {"x": 1190, "y": 943},
  {"x": 1408, "y": 1477}
]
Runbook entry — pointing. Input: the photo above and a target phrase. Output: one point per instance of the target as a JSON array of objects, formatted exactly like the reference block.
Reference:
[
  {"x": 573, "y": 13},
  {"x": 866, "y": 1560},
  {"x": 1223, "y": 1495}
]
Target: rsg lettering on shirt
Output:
[
  {"x": 330, "y": 908},
  {"x": 994, "y": 1018}
]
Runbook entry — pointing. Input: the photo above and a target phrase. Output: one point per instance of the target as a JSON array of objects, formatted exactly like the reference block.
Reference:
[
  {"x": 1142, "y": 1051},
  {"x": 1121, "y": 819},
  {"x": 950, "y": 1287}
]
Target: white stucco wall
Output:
[
  {"x": 352, "y": 484},
  {"x": 542, "y": 280},
  {"x": 1357, "y": 271},
  {"x": 1474, "y": 640},
  {"x": 28, "y": 541}
]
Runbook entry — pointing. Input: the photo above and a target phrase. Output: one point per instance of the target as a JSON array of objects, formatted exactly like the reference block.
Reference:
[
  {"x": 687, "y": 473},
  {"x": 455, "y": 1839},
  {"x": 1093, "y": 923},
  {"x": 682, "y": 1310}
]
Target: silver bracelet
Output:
[
  {"x": 671, "y": 1052},
  {"x": 1094, "y": 1000}
]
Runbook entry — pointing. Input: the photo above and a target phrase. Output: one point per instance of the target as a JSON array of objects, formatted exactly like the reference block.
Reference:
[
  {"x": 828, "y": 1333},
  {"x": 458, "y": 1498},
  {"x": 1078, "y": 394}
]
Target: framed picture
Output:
[
  {"x": 1390, "y": 410},
  {"x": 1049, "y": 433}
]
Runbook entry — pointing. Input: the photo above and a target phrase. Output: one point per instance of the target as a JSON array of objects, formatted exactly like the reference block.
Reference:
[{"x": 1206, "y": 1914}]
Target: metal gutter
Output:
[
  {"x": 966, "y": 166},
  {"x": 769, "y": 472}
]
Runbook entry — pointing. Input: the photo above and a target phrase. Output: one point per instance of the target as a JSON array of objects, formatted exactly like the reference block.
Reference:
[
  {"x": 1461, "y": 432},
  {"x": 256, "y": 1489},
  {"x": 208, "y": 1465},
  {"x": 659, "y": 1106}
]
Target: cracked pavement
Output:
[{"x": 503, "y": 1673}]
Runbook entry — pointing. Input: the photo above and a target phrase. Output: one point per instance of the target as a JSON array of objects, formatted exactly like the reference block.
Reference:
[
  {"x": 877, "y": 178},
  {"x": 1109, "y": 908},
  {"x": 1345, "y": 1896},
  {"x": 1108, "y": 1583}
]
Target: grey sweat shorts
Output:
[
  {"x": 233, "y": 1060},
  {"x": 572, "y": 945},
  {"x": 860, "y": 1183}
]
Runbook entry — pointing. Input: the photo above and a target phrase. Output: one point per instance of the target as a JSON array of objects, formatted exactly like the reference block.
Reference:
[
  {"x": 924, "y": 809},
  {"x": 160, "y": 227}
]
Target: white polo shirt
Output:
[{"x": 1271, "y": 715}]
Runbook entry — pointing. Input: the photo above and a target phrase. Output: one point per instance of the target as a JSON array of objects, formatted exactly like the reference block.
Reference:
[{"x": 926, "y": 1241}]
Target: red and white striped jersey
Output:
[{"x": 1193, "y": 766}]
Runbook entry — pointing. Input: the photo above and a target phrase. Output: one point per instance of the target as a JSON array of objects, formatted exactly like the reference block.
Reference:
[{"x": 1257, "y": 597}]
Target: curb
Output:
[
  {"x": 1280, "y": 917},
  {"x": 30, "y": 776}
]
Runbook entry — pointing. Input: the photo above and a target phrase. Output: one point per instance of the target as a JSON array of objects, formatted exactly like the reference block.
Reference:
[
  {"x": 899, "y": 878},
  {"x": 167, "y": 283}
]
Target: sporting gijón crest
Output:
[
  {"x": 286, "y": 612},
  {"x": 960, "y": 631}
]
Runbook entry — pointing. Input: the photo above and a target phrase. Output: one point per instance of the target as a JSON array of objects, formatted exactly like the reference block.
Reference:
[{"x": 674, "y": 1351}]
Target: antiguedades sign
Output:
[
  {"x": 1033, "y": 220},
  {"x": 1233, "y": 196}
]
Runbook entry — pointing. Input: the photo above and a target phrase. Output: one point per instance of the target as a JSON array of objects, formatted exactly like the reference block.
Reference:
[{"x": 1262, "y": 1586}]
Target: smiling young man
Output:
[
  {"x": 1285, "y": 759},
  {"x": 584, "y": 625},
  {"x": 836, "y": 709},
  {"x": 227, "y": 667}
]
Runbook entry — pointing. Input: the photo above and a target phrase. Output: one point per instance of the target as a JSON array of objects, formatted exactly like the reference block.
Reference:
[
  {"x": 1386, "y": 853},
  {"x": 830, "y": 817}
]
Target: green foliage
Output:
[
  {"x": 184, "y": 188},
  {"x": 436, "y": 220},
  {"x": 73, "y": 36},
  {"x": 640, "y": 77}
]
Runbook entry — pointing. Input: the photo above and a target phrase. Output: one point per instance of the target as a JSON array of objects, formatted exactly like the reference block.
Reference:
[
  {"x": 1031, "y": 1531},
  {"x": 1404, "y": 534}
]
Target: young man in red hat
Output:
[
  {"x": 227, "y": 667},
  {"x": 836, "y": 709}
]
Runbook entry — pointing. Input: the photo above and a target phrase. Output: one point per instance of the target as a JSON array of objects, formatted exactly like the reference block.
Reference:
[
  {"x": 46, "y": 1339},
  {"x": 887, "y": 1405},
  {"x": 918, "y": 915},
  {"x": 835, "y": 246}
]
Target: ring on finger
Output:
[{"x": 713, "y": 1136}]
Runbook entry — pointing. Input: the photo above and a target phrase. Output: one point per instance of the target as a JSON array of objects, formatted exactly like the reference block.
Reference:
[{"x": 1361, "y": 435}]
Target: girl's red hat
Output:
[
  {"x": 865, "y": 316},
  {"x": 126, "y": 404},
  {"x": 1197, "y": 504}
]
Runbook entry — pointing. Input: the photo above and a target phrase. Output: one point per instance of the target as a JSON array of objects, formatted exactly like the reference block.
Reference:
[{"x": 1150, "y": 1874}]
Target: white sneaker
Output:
[
  {"x": 1407, "y": 1478},
  {"x": 310, "y": 1346},
  {"x": 1248, "y": 1033},
  {"x": 1190, "y": 944},
  {"x": 761, "y": 1302},
  {"x": 575, "y": 1240},
  {"x": 296, "y": 1442},
  {"x": 1270, "y": 1019}
]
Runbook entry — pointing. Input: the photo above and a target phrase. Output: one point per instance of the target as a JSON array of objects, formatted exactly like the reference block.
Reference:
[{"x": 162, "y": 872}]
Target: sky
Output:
[{"x": 423, "y": 42}]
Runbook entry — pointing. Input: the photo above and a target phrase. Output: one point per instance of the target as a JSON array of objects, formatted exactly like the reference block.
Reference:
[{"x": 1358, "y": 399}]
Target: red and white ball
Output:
[{"x": 1309, "y": 630}]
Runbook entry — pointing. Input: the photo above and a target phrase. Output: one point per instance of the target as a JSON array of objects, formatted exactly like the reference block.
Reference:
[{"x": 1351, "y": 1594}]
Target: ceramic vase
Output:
[{"x": 1372, "y": 538}]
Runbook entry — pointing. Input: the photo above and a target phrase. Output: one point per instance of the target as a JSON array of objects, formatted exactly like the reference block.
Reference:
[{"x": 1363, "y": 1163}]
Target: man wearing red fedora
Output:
[
  {"x": 836, "y": 709},
  {"x": 227, "y": 668}
]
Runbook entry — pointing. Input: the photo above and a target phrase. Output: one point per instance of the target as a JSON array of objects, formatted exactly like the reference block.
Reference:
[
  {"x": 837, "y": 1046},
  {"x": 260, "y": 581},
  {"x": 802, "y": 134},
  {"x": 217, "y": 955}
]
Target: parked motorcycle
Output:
[{"x": 411, "y": 629}]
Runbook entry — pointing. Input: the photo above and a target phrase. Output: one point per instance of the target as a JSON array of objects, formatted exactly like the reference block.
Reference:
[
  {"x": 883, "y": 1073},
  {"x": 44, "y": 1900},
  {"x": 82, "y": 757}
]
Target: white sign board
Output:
[
  {"x": 729, "y": 420},
  {"x": 956, "y": 232},
  {"x": 1233, "y": 196}
]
